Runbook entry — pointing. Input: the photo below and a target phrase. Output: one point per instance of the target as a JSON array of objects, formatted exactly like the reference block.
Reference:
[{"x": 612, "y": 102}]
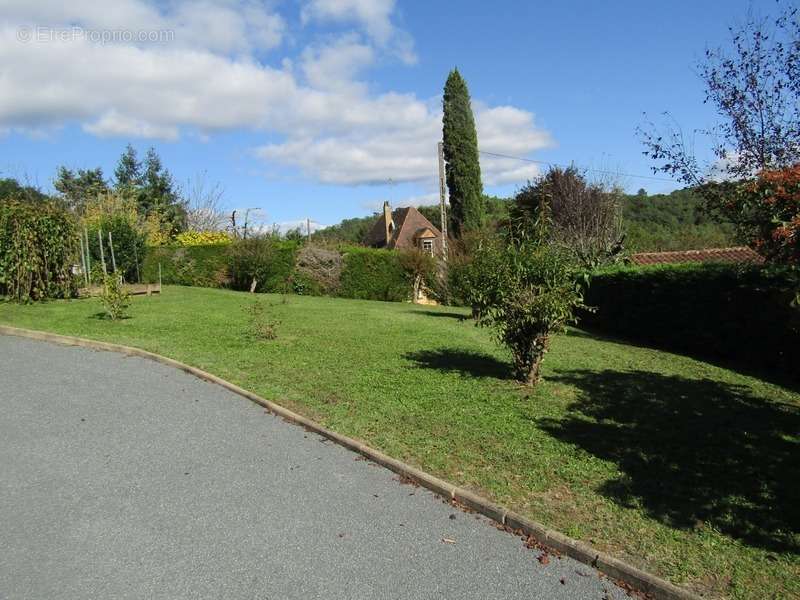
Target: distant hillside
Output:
[{"x": 672, "y": 221}]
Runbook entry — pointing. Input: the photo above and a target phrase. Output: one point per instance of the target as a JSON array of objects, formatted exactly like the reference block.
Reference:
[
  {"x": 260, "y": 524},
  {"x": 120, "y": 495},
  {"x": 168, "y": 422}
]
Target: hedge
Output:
[
  {"x": 732, "y": 312},
  {"x": 373, "y": 274},
  {"x": 367, "y": 273},
  {"x": 202, "y": 266},
  {"x": 38, "y": 243}
]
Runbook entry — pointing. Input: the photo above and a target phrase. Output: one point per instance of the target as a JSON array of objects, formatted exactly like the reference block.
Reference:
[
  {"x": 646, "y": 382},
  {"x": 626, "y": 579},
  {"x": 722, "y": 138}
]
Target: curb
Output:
[{"x": 653, "y": 586}]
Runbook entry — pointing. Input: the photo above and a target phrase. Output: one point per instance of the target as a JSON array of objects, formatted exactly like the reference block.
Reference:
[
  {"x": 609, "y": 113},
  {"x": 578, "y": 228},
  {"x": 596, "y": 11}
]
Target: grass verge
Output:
[{"x": 679, "y": 467}]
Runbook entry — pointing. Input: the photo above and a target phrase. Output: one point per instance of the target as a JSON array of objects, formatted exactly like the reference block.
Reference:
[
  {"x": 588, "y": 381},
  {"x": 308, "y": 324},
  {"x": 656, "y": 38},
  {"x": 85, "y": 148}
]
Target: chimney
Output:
[{"x": 387, "y": 219}]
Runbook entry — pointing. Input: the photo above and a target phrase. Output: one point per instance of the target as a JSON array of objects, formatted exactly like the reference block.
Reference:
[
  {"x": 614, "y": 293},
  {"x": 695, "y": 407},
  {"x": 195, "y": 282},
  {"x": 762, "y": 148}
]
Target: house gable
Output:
[{"x": 410, "y": 226}]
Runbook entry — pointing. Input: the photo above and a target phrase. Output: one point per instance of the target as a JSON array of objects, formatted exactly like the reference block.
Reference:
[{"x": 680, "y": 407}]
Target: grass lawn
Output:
[{"x": 682, "y": 468}]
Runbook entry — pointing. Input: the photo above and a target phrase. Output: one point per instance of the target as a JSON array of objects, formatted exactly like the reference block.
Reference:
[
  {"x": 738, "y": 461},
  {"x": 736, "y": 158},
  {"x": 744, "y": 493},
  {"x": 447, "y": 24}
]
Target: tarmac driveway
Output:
[{"x": 124, "y": 478}]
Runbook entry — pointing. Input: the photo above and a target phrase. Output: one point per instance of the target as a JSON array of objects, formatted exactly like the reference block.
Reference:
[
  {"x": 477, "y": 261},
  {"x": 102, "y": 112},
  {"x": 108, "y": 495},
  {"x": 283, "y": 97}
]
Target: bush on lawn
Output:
[
  {"x": 373, "y": 274},
  {"x": 38, "y": 241},
  {"x": 742, "y": 313}
]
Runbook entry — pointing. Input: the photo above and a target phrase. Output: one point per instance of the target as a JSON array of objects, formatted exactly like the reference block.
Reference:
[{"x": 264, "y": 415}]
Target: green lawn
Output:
[{"x": 682, "y": 468}]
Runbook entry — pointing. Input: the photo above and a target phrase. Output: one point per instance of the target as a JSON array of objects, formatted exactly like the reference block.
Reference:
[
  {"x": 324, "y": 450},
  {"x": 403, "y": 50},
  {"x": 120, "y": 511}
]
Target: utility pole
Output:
[
  {"x": 308, "y": 229},
  {"x": 442, "y": 199}
]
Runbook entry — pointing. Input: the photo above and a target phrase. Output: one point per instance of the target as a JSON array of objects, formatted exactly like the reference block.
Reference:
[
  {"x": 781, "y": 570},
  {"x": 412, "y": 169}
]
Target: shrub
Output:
[
  {"x": 318, "y": 271},
  {"x": 117, "y": 214},
  {"x": 261, "y": 327},
  {"x": 372, "y": 274},
  {"x": 114, "y": 297},
  {"x": 129, "y": 246},
  {"x": 526, "y": 290},
  {"x": 267, "y": 260},
  {"x": 741, "y": 313},
  {"x": 37, "y": 250},
  {"x": 202, "y": 238}
]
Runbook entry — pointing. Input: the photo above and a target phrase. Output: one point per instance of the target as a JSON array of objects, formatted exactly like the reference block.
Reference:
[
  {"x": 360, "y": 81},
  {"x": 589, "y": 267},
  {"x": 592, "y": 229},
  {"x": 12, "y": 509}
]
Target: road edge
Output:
[{"x": 655, "y": 587}]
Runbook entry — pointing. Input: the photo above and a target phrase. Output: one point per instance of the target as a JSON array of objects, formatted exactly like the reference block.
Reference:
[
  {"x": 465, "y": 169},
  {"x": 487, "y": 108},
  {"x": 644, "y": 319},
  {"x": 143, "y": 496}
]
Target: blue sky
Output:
[{"x": 309, "y": 108}]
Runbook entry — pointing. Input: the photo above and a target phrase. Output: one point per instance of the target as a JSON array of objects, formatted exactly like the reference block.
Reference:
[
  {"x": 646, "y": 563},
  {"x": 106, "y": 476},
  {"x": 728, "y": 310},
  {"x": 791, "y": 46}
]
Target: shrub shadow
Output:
[
  {"x": 467, "y": 363},
  {"x": 103, "y": 316},
  {"x": 433, "y": 313},
  {"x": 692, "y": 451}
]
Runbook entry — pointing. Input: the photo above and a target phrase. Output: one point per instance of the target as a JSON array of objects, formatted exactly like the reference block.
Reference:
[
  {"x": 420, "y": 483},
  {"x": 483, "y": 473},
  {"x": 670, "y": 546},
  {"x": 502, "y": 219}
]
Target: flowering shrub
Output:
[{"x": 202, "y": 238}]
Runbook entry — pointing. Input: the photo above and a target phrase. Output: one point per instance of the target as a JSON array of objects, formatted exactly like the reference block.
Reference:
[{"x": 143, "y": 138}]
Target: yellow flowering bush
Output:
[{"x": 202, "y": 238}]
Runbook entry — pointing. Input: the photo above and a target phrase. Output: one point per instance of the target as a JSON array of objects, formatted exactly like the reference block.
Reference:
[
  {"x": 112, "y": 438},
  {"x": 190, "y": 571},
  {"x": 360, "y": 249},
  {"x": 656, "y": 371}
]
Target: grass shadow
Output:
[
  {"x": 433, "y": 313},
  {"x": 103, "y": 316},
  {"x": 692, "y": 452},
  {"x": 467, "y": 363}
]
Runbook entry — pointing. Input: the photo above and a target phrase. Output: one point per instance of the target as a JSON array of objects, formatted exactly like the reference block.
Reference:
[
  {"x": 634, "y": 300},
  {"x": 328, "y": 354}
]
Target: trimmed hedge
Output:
[
  {"x": 373, "y": 274},
  {"x": 741, "y": 313},
  {"x": 201, "y": 266},
  {"x": 367, "y": 273}
]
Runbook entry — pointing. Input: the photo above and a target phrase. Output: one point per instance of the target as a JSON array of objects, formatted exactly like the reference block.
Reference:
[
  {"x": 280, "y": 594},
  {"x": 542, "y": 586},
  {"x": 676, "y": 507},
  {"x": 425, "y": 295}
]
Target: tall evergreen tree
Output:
[
  {"x": 158, "y": 193},
  {"x": 128, "y": 174},
  {"x": 467, "y": 209},
  {"x": 75, "y": 188}
]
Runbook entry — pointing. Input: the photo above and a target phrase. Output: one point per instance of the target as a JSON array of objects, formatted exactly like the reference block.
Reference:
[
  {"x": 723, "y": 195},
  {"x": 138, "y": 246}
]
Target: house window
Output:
[{"x": 427, "y": 246}]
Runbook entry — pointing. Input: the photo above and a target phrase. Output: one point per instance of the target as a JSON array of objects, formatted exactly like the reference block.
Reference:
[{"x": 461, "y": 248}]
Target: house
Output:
[
  {"x": 404, "y": 229},
  {"x": 738, "y": 254}
]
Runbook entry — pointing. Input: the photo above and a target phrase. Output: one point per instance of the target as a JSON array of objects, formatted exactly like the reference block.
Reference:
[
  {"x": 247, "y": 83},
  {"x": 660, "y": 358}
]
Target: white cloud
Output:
[
  {"x": 374, "y": 15},
  {"x": 329, "y": 124},
  {"x": 215, "y": 25},
  {"x": 405, "y": 149},
  {"x": 335, "y": 65}
]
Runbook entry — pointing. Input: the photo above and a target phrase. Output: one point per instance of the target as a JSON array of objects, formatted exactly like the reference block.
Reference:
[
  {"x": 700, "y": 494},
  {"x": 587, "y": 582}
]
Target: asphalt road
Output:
[{"x": 124, "y": 478}]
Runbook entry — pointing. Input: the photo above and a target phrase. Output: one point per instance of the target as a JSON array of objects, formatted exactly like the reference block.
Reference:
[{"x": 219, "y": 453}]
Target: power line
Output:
[{"x": 551, "y": 164}]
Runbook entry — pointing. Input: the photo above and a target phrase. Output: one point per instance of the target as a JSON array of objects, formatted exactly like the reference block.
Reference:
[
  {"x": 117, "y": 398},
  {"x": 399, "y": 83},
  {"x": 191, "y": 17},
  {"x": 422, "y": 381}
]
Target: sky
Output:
[{"x": 323, "y": 109}]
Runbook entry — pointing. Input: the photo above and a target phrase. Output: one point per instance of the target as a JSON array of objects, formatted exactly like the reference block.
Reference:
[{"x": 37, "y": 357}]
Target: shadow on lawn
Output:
[
  {"x": 433, "y": 313},
  {"x": 473, "y": 364},
  {"x": 692, "y": 451}
]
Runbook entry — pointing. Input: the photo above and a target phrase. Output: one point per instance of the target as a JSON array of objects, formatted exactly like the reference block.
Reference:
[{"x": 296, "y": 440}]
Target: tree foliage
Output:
[
  {"x": 11, "y": 189},
  {"x": 37, "y": 243},
  {"x": 754, "y": 85},
  {"x": 586, "y": 217},
  {"x": 76, "y": 188},
  {"x": 526, "y": 290},
  {"x": 767, "y": 210},
  {"x": 463, "y": 168}
]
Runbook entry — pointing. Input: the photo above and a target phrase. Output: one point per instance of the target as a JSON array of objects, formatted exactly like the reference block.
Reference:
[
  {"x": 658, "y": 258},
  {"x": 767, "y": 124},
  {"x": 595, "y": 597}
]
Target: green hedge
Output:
[
  {"x": 372, "y": 274},
  {"x": 202, "y": 266},
  {"x": 38, "y": 246},
  {"x": 367, "y": 274},
  {"x": 717, "y": 311}
]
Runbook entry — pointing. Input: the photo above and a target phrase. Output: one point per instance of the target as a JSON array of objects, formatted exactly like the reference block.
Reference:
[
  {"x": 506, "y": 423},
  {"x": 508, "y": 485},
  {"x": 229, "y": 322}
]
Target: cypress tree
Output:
[{"x": 463, "y": 169}]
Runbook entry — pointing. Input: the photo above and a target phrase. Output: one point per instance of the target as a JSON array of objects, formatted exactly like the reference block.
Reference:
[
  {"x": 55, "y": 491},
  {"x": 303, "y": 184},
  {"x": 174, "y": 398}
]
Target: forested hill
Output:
[{"x": 674, "y": 221}]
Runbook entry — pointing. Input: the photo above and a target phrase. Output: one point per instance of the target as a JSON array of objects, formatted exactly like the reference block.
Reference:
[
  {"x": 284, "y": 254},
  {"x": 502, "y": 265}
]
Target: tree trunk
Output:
[
  {"x": 417, "y": 285},
  {"x": 532, "y": 377},
  {"x": 534, "y": 370}
]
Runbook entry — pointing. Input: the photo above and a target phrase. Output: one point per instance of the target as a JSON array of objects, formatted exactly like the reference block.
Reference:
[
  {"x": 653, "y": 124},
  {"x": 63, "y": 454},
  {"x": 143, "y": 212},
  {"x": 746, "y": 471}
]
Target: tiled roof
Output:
[
  {"x": 739, "y": 254},
  {"x": 408, "y": 222}
]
